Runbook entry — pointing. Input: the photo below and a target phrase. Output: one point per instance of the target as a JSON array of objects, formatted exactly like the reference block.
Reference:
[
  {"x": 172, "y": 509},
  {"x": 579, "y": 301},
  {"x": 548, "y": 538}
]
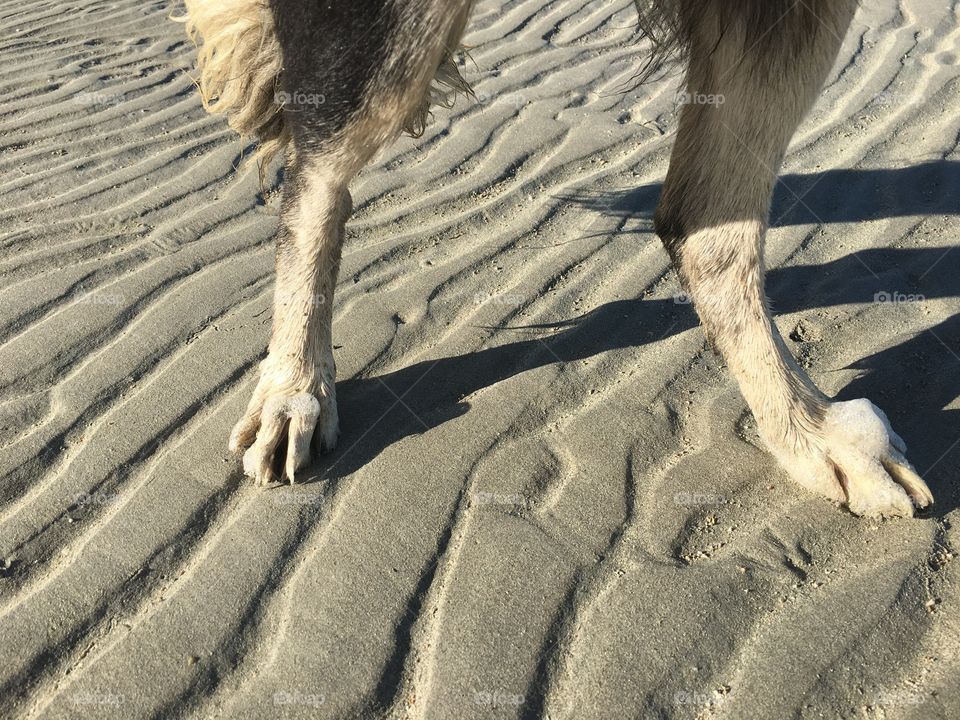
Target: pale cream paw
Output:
[
  {"x": 280, "y": 415},
  {"x": 857, "y": 459}
]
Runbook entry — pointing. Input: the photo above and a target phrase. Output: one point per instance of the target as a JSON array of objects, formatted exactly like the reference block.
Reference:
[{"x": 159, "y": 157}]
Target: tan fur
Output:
[{"x": 239, "y": 61}]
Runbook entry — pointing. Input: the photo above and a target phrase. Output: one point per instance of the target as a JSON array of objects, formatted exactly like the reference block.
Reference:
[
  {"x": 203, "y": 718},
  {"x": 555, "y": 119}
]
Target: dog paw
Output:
[
  {"x": 278, "y": 412},
  {"x": 857, "y": 459}
]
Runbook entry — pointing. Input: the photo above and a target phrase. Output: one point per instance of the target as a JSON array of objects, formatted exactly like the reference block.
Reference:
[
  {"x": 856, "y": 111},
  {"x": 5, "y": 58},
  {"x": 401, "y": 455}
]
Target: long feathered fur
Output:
[
  {"x": 240, "y": 61},
  {"x": 666, "y": 24},
  {"x": 670, "y": 25},
  {"x": 447, "y": 84}
]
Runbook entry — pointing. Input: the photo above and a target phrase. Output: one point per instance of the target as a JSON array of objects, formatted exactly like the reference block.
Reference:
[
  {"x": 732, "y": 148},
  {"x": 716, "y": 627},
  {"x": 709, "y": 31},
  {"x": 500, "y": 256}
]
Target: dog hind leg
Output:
[{"x": 756, "y": 66}]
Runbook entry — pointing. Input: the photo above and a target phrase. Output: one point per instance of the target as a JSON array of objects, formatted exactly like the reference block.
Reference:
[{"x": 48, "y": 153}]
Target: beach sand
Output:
[{"x": 549, "y": 498}]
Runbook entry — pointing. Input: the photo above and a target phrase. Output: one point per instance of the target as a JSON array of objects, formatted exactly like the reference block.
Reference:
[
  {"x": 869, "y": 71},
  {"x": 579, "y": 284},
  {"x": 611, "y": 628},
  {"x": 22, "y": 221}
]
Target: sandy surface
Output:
[{"x": 549, "y": 499}]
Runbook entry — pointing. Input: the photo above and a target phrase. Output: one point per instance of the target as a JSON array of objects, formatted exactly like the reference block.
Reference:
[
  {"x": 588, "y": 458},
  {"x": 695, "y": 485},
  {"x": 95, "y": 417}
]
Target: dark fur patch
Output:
[{"x": 331, "y": 51}]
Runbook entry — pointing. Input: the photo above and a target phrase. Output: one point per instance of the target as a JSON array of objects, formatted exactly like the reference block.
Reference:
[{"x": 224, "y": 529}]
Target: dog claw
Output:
[
  {"x": 858, "y": 460},
  {"x": 270, "y": 421}
]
